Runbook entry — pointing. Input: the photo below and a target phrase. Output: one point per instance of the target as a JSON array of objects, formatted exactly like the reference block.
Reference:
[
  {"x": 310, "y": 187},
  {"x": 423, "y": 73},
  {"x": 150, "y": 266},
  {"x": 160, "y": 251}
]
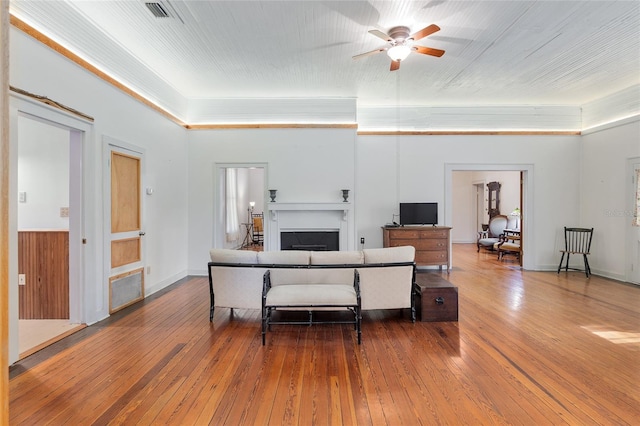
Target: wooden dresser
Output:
[{"x": 431, "y": 242}]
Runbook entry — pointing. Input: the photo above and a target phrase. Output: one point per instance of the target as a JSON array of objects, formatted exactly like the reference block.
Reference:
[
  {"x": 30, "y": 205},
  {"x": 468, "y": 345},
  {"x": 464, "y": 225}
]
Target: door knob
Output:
[{"x": 141, "y": 233}]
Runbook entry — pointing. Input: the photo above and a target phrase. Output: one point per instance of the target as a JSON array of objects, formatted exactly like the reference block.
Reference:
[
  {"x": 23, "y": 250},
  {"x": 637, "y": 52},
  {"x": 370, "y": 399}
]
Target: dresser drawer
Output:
[
  {"x": 431, "y": 257},
  {"x": 404, "y": 234},
  {"x": 437, "y": 245},
  {"x": 436, "y": 233}
]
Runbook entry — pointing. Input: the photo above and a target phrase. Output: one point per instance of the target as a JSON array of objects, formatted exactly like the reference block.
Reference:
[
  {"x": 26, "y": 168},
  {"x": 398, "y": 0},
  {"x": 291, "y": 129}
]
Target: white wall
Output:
[
  {"x": 304, "y": 165},
  {"x": 256, "y": 189},
  {"x": 376, "y": 187},
  {"x": 464, "y": 214},
  {"x": 604, "y": 180},
  {"x": 43, "y": 175},
  {"x": 39, "y": 70},
  {"x": 419, "y": 164}
]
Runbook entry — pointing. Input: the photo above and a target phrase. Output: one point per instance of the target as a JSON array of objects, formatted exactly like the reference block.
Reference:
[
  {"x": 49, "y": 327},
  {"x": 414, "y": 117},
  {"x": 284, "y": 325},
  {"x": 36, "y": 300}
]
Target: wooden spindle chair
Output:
[{"x": 577, "y": 241}]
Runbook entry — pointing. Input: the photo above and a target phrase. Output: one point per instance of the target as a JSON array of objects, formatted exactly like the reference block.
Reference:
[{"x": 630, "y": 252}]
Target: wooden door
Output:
[{"x": 126, "y": 277}]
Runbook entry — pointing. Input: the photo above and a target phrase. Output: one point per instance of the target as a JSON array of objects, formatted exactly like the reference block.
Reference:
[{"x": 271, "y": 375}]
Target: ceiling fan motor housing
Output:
[{"x": 399, "y": 34}]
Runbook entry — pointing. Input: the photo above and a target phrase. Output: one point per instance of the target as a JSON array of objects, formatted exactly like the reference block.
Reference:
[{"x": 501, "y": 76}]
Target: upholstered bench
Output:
[{"x": 311, "y": 288}]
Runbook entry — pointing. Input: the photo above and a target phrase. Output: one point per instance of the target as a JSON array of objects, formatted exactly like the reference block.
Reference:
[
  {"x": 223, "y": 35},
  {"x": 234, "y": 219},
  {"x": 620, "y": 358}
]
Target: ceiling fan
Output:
[{"x": 400, "y": 44}]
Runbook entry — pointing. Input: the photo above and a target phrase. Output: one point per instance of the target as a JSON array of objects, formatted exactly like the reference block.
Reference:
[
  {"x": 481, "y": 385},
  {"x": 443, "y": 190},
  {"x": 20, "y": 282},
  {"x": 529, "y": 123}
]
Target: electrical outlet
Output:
[
  {"x": 148, "y": 270},
  {"x": 64, "y": 211},
  {"x": 361, "y": 240},
  {"x": 22, "y": 279}
]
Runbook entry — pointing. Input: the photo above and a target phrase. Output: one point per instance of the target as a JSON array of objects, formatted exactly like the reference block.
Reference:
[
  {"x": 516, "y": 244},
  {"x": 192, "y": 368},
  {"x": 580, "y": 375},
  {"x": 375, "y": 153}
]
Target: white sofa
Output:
[{"x": 387, "y": 275}]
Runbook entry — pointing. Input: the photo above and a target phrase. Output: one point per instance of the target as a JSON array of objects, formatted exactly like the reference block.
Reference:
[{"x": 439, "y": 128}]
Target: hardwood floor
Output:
[{"x": 530, "y": 348}]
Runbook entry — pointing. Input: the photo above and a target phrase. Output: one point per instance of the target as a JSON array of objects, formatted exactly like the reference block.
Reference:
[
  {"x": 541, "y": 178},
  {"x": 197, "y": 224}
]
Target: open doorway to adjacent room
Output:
[
  {"x": 467, "y": 203},
  {"x": 48, "y": 223},
  {"x": 239, "y": 211},
  {"x": 471, "y": 198}
]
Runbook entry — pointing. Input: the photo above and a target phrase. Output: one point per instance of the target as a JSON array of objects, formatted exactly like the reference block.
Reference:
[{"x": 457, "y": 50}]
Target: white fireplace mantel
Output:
[
  {"x": 286, "y": 217},
  {"x": 273, "y": 208}
]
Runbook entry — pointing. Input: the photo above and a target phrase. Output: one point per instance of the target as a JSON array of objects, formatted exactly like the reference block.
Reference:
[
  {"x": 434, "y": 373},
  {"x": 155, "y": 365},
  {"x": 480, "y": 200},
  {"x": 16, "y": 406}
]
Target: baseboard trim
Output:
[{"x": 148, "y": 291}]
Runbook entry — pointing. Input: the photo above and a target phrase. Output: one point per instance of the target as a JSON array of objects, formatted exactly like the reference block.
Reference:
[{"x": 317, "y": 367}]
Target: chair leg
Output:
[
  {"x": 560, "y": 265},
  {"x": 587, "y": 269},
  {"x": 566, "y": 265}
]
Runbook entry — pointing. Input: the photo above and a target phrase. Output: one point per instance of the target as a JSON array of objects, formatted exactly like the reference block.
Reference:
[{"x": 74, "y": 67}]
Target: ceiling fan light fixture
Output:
[{"x": 399, "y": 52}]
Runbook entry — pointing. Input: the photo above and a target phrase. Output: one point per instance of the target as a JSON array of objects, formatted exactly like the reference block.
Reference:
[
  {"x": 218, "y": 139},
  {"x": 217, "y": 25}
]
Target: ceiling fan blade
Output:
[
  {"x": 428, "y": 51},
  {"x": 424, "y": 32},
  {"x": 373, "y": 52},
  {"x": 395, "y": 65},
  {"x": 380, "y": 34}
]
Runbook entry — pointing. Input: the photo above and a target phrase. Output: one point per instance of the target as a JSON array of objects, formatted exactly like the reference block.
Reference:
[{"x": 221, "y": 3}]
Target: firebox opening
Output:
[{"x": 310, "y": 240}]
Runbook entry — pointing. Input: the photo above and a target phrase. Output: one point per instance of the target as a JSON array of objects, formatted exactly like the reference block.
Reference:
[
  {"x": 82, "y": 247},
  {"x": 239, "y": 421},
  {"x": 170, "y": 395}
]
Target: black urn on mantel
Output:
[
  {"x": 272, "y": 194},
  {"x": 345, "y": 195}
]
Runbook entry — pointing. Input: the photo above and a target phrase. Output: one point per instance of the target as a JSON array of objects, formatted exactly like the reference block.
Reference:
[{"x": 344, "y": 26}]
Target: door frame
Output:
[
  {"x": 108, "y": 143},
  {"x": 80, "y": 202},
  {"x": 631, "y": 237},
  {"x": 526, "y": 193}
]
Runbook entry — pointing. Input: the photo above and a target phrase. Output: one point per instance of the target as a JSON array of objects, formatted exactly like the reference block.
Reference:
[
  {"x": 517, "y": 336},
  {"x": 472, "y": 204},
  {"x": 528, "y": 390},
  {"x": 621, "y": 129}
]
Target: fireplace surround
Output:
[{"x": 310, "y": 218}]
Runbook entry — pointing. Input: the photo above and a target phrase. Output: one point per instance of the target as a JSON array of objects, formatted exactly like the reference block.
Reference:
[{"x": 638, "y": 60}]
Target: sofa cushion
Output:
[
  {"x": 390, "y": 254},
  {"x": 312, "y": 295},
  {"x": 284, "y": 257},
  {"x": 336, "y": 257},
  {"x": 233, "y": 256}
]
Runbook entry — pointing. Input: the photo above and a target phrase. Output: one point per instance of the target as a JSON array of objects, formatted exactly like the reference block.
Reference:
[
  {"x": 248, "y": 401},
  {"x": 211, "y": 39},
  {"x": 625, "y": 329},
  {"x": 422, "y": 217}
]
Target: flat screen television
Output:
[{"x": 418, "y": 213}]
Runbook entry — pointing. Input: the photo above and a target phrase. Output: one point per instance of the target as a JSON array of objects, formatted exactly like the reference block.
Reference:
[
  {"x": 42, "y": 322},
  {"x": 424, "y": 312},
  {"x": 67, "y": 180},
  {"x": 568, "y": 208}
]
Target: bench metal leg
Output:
[
  {"x": 359, "y": 325},
  {"x": 265, "y": 321}
]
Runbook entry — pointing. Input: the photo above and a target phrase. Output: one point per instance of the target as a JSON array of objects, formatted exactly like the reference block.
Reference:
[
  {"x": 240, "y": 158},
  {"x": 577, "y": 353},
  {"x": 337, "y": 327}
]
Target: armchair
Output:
[
  {"x": 510, "y": 244},
  {"x": 489, "y": 238}
]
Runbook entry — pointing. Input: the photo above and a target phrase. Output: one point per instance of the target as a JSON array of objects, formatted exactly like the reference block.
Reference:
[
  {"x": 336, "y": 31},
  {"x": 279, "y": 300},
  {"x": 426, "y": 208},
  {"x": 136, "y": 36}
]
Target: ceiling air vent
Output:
[{"x": 157, "y": 9}]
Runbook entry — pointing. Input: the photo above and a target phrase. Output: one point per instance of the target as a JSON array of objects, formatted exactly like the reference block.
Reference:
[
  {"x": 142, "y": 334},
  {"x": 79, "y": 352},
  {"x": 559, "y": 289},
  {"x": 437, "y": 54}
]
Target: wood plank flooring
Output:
[{"x": 530, "y": 348}]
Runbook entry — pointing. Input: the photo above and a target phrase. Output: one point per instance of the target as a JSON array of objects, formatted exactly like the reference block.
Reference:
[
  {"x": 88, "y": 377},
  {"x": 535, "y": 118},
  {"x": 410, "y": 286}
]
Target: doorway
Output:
[
  {"x": 523, "y": 175},
  {"x": 49, "y": 157},
  {"x": 240, "y": 194}
]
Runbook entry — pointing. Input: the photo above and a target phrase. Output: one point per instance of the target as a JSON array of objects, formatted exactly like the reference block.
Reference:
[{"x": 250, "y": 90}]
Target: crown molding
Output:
[{"x": 371, "y": 120}]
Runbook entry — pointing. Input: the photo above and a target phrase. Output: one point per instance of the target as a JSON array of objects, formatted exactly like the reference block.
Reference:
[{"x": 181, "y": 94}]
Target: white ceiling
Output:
[{"x": 497, "y": 52}]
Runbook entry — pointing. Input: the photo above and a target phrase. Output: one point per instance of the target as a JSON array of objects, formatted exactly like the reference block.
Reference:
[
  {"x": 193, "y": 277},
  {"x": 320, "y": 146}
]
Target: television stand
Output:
[{"x": 432, "y": 243}]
